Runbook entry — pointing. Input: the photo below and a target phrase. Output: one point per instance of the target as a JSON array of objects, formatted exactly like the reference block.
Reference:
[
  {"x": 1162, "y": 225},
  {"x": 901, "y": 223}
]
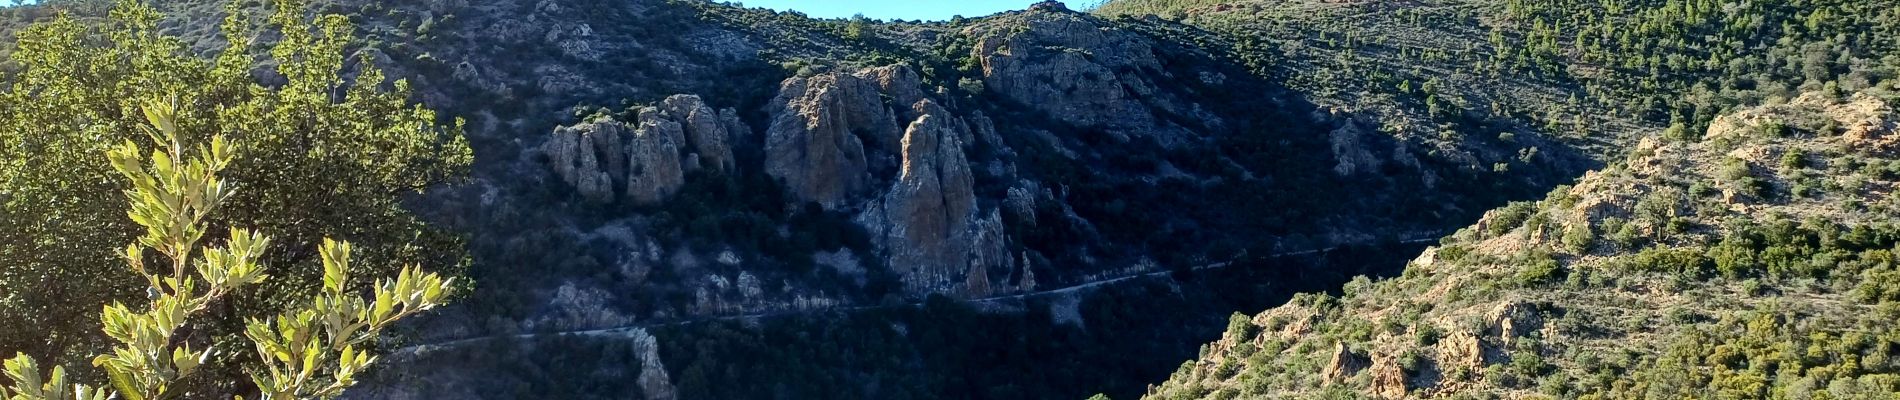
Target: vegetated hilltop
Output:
[
  {"x": 1753, "y": 261},
  {"x": 1595, "y": 74}
]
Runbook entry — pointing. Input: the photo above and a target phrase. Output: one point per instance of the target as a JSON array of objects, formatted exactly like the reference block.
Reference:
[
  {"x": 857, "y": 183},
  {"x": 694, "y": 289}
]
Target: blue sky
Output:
[{"x": 895, "y": 9}]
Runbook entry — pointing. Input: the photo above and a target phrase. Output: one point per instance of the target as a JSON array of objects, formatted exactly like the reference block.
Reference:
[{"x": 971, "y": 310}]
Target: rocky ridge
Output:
[
  {"x": 833, "y": 142},
  {"x": 1671, "y": 261}
]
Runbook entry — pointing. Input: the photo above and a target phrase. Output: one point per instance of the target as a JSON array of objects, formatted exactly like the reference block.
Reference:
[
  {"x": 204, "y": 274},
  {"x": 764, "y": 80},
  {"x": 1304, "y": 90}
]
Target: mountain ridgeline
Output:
[{"x": 680, "y": 199}]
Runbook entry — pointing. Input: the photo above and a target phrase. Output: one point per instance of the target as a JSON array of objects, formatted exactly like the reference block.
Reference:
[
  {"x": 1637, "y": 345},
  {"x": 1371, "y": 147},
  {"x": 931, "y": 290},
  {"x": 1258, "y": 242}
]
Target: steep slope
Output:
[
  {"x": 1028, "y": 150},
  {"x": 1754, "y": 261},
  {"x": 1022, "y": 153},
  {"x": 1593, "y": 74}
]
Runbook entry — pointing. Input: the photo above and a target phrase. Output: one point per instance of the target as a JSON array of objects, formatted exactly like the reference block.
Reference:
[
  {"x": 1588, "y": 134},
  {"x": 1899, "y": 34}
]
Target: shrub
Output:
[
  {"x": 1686, "y": 263},
  {"x": 1734, "y": 257},
  {"x": 1878, "y": 286},
  {"x": 322, "y": 155},
  {"x": 1794, "y": 159},
  {"x": 1538, "y": 267},
  {"x": 1625, "y": 234},
  {"x": 308, "y": 352},
  {"x": 1426, "y": 335},
  {"x": 1579, "y": 237},
  {"x": 1775, "y": 129},
  {"x": 1679, "y": 132},
  {"x": 1240, "y": 326},
  {"x": 1510, "y": 217}
]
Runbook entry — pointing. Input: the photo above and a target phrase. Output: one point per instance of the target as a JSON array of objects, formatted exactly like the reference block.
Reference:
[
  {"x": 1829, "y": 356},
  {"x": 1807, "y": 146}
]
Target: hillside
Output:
[
  {"x": 1594, "y": 74},
  {"x": 699, "y": 200},
  {"x": 676, "y": 182},
  {"x": 1752, "y": 261}
]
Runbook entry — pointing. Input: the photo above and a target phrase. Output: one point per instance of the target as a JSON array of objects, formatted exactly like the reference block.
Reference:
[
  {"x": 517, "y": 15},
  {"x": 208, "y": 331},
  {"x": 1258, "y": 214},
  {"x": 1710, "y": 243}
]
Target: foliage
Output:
[
  {"x": 327, "y": 153},
  {"x": 313, "y": 351}
]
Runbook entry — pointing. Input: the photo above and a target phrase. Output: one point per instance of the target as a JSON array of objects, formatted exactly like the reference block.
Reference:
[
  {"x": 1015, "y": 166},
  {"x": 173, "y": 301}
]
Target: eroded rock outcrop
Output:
[
  {"x": 929, "y": 220},
  {"x": 591, "y": 157},
  {"x": 1071, "y": 67},
  {"x": 1513, "y": 320},
  {"x": 1388, "y": 378},
  {"x": 822, "y": 127},
  {"x": 654, "y": 382},
  {"x": 931, "y": 201},
  {"x": 645, "y": 161},
  {"x": 710, "y": 132},
  {"x": 654, "y": 171},
  {"x": 900, "y": 83},
  {"x": 1352, "y": 148},
  {"x": 1343, "y": 365},
  {"x": 835, "y": 141},
  {"x": 1461, "y": 350}
]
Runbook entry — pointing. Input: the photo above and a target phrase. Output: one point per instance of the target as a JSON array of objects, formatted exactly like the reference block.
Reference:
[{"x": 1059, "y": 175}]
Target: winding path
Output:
[{"x": 623, "y": 331}]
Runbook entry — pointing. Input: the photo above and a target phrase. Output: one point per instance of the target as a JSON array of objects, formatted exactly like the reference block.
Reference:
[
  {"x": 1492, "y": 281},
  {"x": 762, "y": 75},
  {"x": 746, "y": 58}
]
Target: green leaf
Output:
[
  {"x": 385, "y": 303},
  {"x": 56, "y": 386},
  {"x": 336, "y": 265},
  {"x": 123, "y": 381},
  {"x": 184, "y": 360},
  {"x": 25, "y": 372}
]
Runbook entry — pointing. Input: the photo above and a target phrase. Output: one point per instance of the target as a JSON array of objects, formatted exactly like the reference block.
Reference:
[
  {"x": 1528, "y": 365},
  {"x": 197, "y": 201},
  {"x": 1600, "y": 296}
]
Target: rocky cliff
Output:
[
  {"x": 646, "y": 160},
  {"x": 1073, "y": 68},
  {"x": 825, "y": 130},
  {"x": 1028, "y": 151}
]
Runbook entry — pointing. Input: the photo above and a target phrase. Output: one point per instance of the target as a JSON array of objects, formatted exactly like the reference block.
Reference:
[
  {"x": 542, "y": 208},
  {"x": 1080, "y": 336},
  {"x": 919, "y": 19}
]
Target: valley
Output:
[{"x": 683, "y": 199}]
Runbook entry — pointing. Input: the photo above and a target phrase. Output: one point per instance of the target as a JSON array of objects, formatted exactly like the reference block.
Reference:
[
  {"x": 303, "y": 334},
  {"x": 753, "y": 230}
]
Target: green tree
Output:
[
  {"x": 855, "y": 30},
  {"x": 313, "y": 351},
  {"x": 325, "y": 154}
]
